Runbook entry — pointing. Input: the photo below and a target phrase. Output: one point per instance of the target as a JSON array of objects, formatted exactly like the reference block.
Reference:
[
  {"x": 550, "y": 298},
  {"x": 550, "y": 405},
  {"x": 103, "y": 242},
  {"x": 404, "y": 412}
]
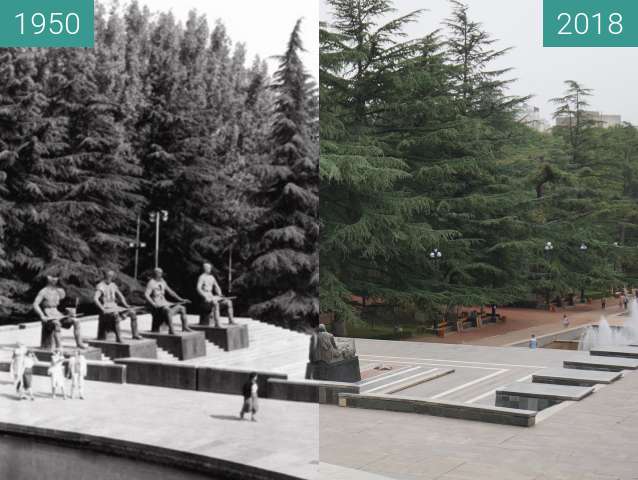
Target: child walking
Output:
[
  {"x": 250, "y": 392},
  {"x": 56, "y": 372},
  {"x": 77, "y": 372}
]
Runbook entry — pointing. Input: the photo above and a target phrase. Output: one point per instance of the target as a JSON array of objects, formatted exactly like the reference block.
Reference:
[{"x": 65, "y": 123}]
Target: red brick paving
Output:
[{"x": 522, "y": 322}]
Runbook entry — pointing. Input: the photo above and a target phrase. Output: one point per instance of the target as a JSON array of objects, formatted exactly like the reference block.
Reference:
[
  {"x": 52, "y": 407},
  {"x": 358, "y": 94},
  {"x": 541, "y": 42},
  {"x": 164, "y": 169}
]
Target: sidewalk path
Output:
[{"x": 521, "y": 323}]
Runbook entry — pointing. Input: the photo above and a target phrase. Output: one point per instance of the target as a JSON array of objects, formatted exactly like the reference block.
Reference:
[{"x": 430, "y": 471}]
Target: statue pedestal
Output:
[
  {"x": 90, "y": 353},
  {"x": 227, "y": 337},
  {"x": 145, "y": 348},
  {"x": 341, "y": 371},
  {"x": 183, "y": 345}
]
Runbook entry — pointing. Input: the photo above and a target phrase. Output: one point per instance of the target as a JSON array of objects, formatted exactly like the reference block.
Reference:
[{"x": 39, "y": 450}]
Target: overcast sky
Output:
[
  {"x": 263, "y": 25},
  {"x": 611, "y": 72}
]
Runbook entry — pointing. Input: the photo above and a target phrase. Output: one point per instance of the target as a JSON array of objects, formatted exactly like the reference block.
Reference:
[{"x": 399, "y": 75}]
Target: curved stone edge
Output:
[{"x": 153, "y": 454}]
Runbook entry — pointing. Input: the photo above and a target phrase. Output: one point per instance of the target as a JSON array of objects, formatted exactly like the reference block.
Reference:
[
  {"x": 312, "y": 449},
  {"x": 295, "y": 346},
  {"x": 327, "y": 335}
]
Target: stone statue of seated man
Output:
[{"x": 324, "y": 348}]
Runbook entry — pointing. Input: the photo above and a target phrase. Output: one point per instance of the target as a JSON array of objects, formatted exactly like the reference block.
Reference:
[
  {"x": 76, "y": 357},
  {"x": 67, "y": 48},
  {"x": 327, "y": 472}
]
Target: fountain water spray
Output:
[{"x": 604, "y": 335}]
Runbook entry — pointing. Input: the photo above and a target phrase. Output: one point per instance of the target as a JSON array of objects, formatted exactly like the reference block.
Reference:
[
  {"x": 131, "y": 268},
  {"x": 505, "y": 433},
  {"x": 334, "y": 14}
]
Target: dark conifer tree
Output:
[{"x": 284, "y": 272}]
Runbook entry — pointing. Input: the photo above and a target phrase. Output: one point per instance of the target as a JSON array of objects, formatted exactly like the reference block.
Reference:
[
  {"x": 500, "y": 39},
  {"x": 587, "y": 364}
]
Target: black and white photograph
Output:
[{"x": 159, "y": 245}]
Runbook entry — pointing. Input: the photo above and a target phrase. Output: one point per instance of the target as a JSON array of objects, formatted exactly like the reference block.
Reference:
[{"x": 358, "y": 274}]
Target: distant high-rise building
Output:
[
  {"x": 531, "y": 116},
  {"x": 601, "y": 119}
]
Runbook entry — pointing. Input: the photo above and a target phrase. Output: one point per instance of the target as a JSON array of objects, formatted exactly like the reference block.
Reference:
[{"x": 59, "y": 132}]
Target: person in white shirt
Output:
[
  {"x": 212, "y": 297},
  {"x": 77, "y": 372},
  {"x": 16, "y": 369},
  {"x": 163, "y": 310},
  {"x": 106, "y": 297},
  {"x": 56, "y": 372},
  {"x": 533, "y": 342}
]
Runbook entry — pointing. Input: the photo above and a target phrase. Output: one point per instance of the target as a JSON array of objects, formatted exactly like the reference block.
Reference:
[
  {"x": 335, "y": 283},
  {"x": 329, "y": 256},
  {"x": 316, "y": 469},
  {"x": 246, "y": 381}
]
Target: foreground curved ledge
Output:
[{"x": 181, "y": 460}]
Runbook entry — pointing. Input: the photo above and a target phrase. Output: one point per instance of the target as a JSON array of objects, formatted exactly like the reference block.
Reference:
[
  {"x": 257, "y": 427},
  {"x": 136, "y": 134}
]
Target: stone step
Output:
[{"x": 572, "y": 376}]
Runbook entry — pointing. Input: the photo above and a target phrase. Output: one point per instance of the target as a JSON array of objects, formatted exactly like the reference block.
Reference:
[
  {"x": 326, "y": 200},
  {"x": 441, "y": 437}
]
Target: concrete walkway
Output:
[{"x": 284, "y": 439}]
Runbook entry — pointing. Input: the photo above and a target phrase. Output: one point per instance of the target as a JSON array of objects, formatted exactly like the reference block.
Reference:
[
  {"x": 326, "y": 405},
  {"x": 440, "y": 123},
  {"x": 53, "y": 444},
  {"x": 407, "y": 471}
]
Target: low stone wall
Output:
[
  {"x": 230, "y": 381},
  {"x": 96, "y": 371},
  {"x": 394, "y": 403},
  {"x": 159, "y": 374},
  {"x": 314, "y": 391},
  {"x": 569, "y": 334},
  {"x": 47, "y": 453}
]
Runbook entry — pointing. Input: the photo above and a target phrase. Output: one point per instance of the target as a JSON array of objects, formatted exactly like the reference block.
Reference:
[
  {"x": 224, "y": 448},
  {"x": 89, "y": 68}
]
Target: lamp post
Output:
[
  {"x": 548, "y": 249},
  {"x": 137, "y": 245},
  {"x": 157, "y": 218},
  {"x": 583, "y": 249},
  {"x": 436, "y": 256}
]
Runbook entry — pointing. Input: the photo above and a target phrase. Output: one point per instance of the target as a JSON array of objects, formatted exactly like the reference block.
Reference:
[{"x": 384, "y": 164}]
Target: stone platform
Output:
[
  {"x": 227, "y": 337},
  {"x": 347, "y": 371},
  {"x": 609, "y": 364},
  {"x": 146, "y": 348},
  {"x": 626, "y": 352},
  {"x": 90, "y": 353},
  {"x": 538, "y": 396},
  {"x": 574, "y": 377},
  {"x": 183, "y": 345}
]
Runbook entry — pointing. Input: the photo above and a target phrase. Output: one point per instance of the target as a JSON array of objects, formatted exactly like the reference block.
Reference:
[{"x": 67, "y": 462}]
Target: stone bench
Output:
[
  {"x": 437, "y": 408},
  {"x": 608, "y": 364},
  {"x": 625, "y": 352},
  {"x": 312, "y": 391},
  {"x": 538, "y": 396},
  {"x": 160, "y": 374},
  {"x": 231, "y": 381},
  {"x": 572, "y": 376}
]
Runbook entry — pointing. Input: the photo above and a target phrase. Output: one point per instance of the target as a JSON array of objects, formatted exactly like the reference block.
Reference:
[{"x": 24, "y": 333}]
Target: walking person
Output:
[
  {"x": 251, "y": 393},
  {"x": 533, "y": 342},
  {"x": 565, "y": 321},
  {"x": 77, "y": 373},
  {"x": 27, "y": 376},
  {"x": 56, "y": 372},
  {"x": 603, "y": 303}
]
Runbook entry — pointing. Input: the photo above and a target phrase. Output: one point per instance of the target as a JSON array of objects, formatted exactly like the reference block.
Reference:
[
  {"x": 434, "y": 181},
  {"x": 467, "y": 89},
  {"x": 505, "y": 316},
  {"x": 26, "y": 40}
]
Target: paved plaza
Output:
[{"x": 595, "y": 438}]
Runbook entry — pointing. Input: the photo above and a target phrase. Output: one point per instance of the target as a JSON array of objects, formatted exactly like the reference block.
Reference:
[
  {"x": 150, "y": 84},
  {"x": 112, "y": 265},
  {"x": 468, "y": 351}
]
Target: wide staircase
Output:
[{"x": 272, "y": 348}]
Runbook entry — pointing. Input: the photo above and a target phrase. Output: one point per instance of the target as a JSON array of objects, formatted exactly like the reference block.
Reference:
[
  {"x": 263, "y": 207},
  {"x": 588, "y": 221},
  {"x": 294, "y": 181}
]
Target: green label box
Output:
[
  {"x": 590, "y": 23},
  {"x": 46, "y": 23}
]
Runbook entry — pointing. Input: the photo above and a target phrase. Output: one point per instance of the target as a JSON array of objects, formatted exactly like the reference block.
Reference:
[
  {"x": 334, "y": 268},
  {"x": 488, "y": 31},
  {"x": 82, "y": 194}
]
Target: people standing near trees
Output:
[
  {"x": 211, "y": 293},
  {"x": 603, "y": 303}
]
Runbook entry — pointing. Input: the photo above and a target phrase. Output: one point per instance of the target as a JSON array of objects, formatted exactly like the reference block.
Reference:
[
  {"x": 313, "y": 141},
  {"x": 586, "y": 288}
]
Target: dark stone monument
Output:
[
  {"x": 146, "y": 348},
  {"x": 183, "y": 345},
  {"x": 227, "y": 337},
  {"x": 346, "y": 370},
  {"x": 330, "y": 362}
]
